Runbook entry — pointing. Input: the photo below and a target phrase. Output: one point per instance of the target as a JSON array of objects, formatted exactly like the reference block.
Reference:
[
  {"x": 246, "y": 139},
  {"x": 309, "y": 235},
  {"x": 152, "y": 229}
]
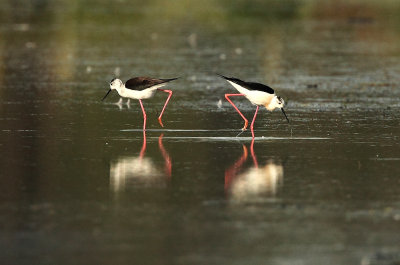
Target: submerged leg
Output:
[
  {"x": 167, "y": 159},
  {"x": 252, "y": 123},
  {"x": 143, "y": 150},
  {"x": 253, "y": 155},
  {"x": 246, "y": 122},
  {"x": 165, "y": 104},
  {"x": 119, "y": 103},
  {"x": 144, "y": 115},
  {"x": 231, "y": 172}
]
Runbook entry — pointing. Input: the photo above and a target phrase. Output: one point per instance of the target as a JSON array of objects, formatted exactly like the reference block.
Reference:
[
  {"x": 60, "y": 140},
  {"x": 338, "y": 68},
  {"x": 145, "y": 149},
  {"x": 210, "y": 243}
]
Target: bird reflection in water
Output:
[
  {"x": 255, "y": 181},
  {"x": 140, "y": 170}
]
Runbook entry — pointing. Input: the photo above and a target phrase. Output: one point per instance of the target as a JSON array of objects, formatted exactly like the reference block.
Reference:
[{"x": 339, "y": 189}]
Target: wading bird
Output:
[
  {"x": 258, "y": 94},
  {"x": 141, "y": 88}
]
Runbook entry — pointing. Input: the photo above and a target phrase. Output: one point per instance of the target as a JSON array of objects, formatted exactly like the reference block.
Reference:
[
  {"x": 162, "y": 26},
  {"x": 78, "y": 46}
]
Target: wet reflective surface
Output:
[{"x": 79, "y": 182}]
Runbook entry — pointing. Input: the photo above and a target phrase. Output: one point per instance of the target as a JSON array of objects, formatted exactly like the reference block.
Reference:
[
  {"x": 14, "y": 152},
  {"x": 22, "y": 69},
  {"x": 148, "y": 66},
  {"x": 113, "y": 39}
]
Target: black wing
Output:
[
  {"x": 140, "y": 83},
  {"x": 249, "y": 85}
]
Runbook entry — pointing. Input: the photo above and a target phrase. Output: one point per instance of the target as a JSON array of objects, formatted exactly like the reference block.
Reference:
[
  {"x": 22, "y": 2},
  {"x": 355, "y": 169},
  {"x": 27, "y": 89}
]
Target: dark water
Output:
[{"x": 79, "y": 184}]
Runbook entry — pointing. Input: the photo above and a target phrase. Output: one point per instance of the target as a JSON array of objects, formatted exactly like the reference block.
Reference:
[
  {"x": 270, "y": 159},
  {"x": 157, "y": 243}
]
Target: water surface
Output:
[{"x": 80, "y": 183}]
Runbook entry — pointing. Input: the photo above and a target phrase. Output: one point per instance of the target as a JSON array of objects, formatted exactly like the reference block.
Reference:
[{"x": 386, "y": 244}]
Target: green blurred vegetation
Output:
[{"x": 205, "y": 11}]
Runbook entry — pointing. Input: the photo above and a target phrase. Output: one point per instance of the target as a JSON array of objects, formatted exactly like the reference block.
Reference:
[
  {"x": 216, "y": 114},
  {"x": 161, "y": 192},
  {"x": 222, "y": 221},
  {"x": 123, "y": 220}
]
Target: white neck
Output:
[{"x": 120, "y": 89}]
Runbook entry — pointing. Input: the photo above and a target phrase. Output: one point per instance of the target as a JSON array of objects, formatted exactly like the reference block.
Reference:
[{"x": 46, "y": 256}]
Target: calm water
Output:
[{"x": 81, "y": 184}]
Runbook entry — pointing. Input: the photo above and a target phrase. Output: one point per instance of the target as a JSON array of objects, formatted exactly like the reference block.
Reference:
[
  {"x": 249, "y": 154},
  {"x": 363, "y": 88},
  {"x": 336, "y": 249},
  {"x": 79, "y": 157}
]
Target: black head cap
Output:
[{"x": 112, "y": 80}]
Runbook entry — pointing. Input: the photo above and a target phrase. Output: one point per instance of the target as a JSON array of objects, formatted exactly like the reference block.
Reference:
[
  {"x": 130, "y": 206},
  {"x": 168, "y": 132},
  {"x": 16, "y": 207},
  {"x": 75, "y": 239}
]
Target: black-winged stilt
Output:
[
  {"x": 141, "y": 88},
  {"x": 258, "y": 94}
]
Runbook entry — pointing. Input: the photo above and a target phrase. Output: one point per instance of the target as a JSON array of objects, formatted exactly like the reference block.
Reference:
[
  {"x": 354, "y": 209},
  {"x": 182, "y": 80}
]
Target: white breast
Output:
[
  {"x": 140, "y": 94},
  {"x": 259, "y": 97}
]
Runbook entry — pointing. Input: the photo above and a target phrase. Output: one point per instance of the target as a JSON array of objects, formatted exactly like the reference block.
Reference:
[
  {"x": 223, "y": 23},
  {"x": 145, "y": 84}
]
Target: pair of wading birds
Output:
[{"x": 145, "y": 87}]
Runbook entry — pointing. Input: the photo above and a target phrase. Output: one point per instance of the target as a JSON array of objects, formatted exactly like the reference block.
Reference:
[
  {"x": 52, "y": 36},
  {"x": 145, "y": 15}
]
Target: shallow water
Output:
[{"x": 80, "y": 183}]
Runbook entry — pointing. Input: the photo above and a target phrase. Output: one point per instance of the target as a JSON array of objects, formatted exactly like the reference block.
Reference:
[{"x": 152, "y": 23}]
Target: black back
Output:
[
  {"x": 140, "y": 83},
  {"x": 250, "y": 85}
]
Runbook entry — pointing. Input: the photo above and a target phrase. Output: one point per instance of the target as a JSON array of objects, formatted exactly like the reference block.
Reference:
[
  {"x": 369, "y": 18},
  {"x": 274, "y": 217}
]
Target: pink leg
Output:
[
  {"x": 165, "y": 105},
  {"x": 231, "y": 172},
  {"x": 167, "y": 159},
  {"x": 252, "y": 123},
  {"x": 253, "y": 155},
  {"x": 246, "y": 122},
  {"x": 143, "y": 146},
  {"x": 144, "y": 115}
]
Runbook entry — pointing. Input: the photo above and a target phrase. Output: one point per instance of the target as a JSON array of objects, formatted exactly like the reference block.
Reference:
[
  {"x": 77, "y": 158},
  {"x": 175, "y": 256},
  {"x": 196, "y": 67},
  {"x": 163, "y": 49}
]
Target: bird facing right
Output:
[{"x": 258, "y": 94}]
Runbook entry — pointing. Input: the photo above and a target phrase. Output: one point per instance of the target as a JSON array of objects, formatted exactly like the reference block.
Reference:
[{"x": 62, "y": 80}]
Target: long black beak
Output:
[
  {"x": 106, "y": 94},
  {"x": 285, "y": 115}
]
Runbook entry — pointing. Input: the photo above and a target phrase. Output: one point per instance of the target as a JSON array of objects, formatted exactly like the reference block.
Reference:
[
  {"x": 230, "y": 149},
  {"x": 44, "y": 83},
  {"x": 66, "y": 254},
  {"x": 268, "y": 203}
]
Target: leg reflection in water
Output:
[
  {"x": 254, "y": 181},
  {"x": 140, "y": 170}
]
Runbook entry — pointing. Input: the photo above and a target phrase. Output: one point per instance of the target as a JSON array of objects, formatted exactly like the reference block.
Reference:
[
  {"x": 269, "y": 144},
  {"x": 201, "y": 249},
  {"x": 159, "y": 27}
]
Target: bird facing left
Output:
[{"x": 141, "y": 88}]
